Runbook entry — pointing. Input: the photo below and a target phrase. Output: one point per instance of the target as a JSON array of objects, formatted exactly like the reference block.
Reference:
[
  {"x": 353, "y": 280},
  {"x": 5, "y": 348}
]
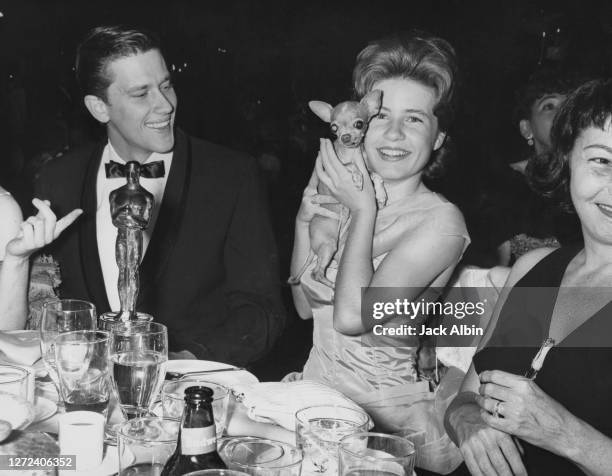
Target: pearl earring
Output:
[{"x": 530, "y": 141}]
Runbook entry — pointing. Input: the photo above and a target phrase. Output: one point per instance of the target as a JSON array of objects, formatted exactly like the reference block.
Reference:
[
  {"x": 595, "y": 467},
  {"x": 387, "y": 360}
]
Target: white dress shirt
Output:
[{"x": 106, "y": 232}]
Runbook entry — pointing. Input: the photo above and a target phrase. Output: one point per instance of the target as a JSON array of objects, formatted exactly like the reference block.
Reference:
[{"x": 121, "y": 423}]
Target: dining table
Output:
[
  {"x": 238, "y": 422},
  {"x": 48, "y": 407}
]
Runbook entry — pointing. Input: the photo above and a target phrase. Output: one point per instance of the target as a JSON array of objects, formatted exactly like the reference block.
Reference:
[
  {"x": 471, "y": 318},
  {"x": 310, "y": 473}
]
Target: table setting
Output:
[
  {"x": 262, "y": 428},
  {"x": 99, "y": 396}
]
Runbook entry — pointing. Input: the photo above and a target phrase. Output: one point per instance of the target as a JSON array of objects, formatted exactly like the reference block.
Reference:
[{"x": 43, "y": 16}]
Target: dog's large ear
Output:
[
  {"x": 321, "y": 109},
  {"x": 372, "y": 101}
]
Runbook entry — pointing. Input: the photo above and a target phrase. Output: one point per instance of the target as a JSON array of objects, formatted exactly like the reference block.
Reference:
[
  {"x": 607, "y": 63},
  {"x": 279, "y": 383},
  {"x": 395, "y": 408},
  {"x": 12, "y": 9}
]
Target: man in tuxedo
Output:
[{"x": 209, "y": 270}]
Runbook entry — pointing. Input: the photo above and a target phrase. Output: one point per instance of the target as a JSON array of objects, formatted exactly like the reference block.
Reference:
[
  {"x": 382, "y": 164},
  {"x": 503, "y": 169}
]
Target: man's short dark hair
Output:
[{"x": 103, "y": 45}]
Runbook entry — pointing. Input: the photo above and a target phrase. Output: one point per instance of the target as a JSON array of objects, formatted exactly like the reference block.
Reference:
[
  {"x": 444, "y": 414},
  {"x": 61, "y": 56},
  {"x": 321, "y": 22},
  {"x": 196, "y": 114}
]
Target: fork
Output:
[{"x": 180, "y": 375}]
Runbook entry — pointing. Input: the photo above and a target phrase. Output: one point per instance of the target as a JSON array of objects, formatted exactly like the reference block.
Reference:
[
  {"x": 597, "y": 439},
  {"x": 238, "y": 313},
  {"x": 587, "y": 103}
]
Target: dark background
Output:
[{"x": 244, "y": 71}]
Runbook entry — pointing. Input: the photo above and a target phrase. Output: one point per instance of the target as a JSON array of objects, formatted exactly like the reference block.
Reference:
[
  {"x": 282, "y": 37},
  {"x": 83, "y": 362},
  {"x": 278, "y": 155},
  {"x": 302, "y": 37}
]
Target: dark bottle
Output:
[{"x": 197, "y": 440}]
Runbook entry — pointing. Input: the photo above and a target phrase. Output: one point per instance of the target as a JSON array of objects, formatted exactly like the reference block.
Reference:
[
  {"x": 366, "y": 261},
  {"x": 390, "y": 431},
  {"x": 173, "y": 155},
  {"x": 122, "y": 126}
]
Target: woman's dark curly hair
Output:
[
  {"x": 542, "y": 82},
  {"x": 588, "y": 106},
  {"x": 420, "y": 57}
]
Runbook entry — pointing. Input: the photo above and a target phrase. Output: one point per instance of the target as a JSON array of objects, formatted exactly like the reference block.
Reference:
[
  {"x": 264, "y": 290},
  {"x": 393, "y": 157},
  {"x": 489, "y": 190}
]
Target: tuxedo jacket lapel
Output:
[
  {"x": 88, "y": 242},
  {"x": 165, "y": 233}
]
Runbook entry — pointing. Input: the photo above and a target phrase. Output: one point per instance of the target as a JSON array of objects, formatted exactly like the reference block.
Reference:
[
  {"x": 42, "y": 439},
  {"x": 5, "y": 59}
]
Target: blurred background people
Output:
[{"x": 515, "y": 219}]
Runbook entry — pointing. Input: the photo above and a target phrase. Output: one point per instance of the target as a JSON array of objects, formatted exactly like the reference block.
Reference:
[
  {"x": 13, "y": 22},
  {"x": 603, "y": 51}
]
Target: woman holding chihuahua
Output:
[
  {"x": 18, "y": 240},
  {"x": 414, "y": 242}
]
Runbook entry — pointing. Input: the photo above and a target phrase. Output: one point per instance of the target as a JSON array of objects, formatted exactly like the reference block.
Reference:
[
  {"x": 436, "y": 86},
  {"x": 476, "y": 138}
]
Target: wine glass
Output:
[
  {"x": 138, "y": 352},
  {"x": 59, "y": 317}
]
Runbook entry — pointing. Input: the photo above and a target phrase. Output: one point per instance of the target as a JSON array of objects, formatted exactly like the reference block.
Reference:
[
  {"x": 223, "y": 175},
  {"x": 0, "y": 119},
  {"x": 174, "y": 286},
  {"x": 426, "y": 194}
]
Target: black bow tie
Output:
[{"x": 149, "y": 170}]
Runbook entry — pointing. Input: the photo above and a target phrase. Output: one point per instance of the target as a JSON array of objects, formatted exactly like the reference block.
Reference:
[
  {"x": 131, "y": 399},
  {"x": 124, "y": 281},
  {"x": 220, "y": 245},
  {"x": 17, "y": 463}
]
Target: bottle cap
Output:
[{"x": 199, "y": 393}]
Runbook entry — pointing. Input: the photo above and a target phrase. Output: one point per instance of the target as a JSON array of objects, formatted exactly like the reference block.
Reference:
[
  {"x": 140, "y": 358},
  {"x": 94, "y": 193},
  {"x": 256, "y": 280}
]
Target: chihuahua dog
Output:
[{"x": 348, "y": 123}]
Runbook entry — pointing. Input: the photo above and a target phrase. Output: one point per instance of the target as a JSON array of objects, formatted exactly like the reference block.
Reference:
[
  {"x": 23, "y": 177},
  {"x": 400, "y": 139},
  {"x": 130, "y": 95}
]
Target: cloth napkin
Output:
[
  {"x": 472, "y": 284},
  {"x": 278, "y": 402}
]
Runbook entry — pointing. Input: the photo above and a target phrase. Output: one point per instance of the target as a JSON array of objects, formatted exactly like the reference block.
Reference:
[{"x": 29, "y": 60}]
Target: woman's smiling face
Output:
[
  {"x": 590, "y": 164},
  {"x": 401, "y": 138}
]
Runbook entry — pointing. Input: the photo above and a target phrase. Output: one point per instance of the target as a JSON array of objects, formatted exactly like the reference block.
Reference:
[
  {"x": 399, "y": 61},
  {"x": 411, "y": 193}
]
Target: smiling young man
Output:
[{"x": 209, "y": 268}]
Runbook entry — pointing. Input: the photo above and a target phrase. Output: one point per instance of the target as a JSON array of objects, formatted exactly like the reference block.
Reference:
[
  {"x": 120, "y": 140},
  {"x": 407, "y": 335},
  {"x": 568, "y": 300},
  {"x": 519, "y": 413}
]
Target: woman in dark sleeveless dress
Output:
[{"x": 558, "y": 423}]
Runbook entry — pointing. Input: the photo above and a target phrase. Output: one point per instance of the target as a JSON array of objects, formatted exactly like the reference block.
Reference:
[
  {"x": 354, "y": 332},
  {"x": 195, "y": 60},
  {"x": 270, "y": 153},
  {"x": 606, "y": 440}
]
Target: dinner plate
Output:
[
  {"x": 43, "y": 409},
  {"x": 229, "y": 379}
]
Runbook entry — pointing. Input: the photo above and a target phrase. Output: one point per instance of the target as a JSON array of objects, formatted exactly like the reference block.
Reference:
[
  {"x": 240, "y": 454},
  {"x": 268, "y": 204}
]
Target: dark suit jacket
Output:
[{"x": 210, "y": 270}]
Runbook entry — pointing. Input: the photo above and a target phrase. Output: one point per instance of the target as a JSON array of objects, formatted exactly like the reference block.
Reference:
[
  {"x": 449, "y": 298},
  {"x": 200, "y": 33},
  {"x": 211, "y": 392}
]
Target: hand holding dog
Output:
[
  {"x": 338, "y": 179},
  {"x": 312, "y": 200}
]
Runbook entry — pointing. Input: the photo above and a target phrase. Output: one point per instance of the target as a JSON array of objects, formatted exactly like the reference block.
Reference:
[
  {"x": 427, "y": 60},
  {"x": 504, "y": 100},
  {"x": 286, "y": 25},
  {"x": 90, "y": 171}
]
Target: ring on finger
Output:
[{"x": 498, "y": 410}]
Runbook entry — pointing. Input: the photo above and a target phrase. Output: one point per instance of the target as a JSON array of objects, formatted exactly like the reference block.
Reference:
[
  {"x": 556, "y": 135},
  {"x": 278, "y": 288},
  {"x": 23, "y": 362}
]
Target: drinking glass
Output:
[
  {"x": 319, "y": 430},
  {"x": 173, "y": 400},
  {"x": 80, "y": 434},
  {"x": 419, "y": 439},
  {"x": 81, "y": 359},
  {"x": 215, "y": 472},
  {"x": 15, "y": 380},
  {"x": 139, "y": 352},
  {"x": 376, "y": 454},
  {"x": 58, "y": 317},
  {"x": 262, "y": 457},
  {"x": 145, "y": 444}
]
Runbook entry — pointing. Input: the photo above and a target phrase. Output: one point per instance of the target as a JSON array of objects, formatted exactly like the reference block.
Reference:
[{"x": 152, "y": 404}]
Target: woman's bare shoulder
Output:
[
  {"x": 446, "y": 219},
  {"x": 9, "y": 208},
  {"x": 10, "y": 219}
]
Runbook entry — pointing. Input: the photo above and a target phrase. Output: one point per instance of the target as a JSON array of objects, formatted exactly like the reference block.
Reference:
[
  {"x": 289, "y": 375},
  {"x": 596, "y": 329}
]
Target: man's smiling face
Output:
[{"x": 140, "y": 106}]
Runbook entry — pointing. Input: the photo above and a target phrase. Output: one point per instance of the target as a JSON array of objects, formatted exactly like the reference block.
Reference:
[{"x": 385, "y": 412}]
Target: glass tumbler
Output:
[
  {"x": 319, "y": 430},
  {"x": 59, "y": 317},
  {"x": 262, "y": 457},
  {"x": 145, "y": 444},
  {"x": 173, "y": 400},
  {"x": 376, "y": 454},
  {"x": 83, "y": 370}
]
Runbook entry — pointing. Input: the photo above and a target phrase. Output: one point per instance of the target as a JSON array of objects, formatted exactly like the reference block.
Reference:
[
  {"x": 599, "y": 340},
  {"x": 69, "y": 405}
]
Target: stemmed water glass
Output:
[
  {"x": 59, "y": 317},
  {"x": 138, "y": 352}
]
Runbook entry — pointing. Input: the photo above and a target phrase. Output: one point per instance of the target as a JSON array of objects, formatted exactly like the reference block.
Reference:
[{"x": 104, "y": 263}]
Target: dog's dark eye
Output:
[
  {"x": 358, "y": 125},
  {"x": 334, "y": 128}
]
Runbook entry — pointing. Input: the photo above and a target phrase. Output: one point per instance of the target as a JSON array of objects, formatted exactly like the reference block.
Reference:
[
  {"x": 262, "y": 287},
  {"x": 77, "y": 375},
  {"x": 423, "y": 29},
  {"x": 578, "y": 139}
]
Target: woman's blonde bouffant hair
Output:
[{"x": 418, "y": 56}]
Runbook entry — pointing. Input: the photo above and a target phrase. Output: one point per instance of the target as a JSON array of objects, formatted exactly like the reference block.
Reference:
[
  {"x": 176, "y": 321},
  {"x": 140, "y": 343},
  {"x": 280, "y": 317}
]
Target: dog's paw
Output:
[
  {"x": 325, "y": 254},
  {"x": 318, "y": 274},
  {"x": 355, "y": 175}
]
